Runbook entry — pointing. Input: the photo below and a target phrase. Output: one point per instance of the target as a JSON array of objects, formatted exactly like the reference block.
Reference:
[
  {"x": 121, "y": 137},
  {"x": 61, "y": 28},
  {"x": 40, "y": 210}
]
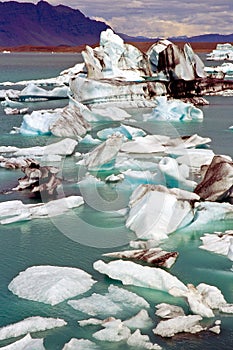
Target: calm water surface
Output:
[{"x": 80, "y": 237}]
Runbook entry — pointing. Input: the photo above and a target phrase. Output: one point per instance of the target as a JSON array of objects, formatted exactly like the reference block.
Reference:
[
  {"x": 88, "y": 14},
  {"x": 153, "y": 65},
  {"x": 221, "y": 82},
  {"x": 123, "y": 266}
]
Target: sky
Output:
[{"x": 158, "y": 18}]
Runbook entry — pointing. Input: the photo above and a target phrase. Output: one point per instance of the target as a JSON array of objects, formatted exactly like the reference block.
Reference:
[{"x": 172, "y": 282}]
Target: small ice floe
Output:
[
  {"x": 155, "y": 256},
  {"x": 103, "y": 154},
  {"x": 137, "y": 177},
  {"x": 114, "y": 331},
  {"x": 137, "y": 340},
  {"x": 219, "y": 243},
  {"x": 221, "y": 52},
  {"x": 173, "y": 110},
  {"x": 38, "y": 122},
  {"x": 25, "y": 343},
  {"x": 176, "y": 146},
  {"x": 115, "y": 301},
  {"x": 169, "y": 311},
  {"x": 196, "y": 157},
  {"x": 216, "y": 184},
  {"x": 140, "y": 321},
  {"x": 202, "y": 299},
  {"x": 130, "y": 273},
  {"x": 89, "y": 140},
  {"x": 15, "y": 163},
  {"x": 170, "y": 327},
  {"x": 15, "y": 211},
  {"x": 128, "y": 131},
  {"x": 148, "y": 144},
  {"x": 80, "y": 344},
  {"x": 12, "y": 93},
  {"x": 30, "y": 325},
  {"x": 156, "y": 211},
  {"x": 114, "y": 178},
  {"x": 51, "y": 284},
  {"x": 64, "y": 147},
  {"x": 15, "y": 111},
  {"x": 8, "y": 102},
  {"x": 33, "y": 92}
]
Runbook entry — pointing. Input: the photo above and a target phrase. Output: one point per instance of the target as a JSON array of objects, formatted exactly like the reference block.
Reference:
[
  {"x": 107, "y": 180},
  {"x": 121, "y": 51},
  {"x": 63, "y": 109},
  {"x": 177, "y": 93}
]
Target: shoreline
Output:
[{"x": 198, "y": 47}]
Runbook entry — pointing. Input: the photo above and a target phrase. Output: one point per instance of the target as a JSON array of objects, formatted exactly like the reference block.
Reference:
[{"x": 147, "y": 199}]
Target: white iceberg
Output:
[
  {"x": 169, "y": 328},
  {"x": 14, "y": 211},
  {"x": 26, "y": 343},
  {"x": 221, "y": 52},
  {"x": 114, "y": 331},
  {"x": 137, "y": 340},
  {"x": 141, "y": 321},
  {"x": 128, "y": 131},
  {"x": 115, "y": 302},
  {"x": 30, "y": 325},
  {"x": 130, "y": 273},
  {"x": 80, "y": 344},
  {"x": 196, "y": 157},
  {"x": 50, "y": 284},
  {"x": 169, "y": 311},
  {"x": 156, "y": 211},
  {"x": 219, "y": 243},
  {"x": 104, "y": 153},
  {"x": 38, "y": 122},
  {"x": 173, "y": 110},
  {"x": 148, "y": 144}
]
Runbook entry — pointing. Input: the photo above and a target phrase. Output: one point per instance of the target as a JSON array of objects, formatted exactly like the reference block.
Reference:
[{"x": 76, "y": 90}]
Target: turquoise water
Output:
[{"x": 81, "y": 236}]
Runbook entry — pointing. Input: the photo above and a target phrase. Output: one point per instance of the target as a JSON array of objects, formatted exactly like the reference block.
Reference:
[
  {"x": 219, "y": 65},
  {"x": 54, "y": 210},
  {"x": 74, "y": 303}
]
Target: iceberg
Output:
[
  {"x": 128, "y": 131},
  {"x": 219, "y": 243},
  {"x": 221, "y": 52},
  {"x": 80, "y": 344},
  {"x": 104, "y": 153},
  {"x": 196, "y": 157},
  {"x": 114, "y": 331},
  {"x": 51, "y": 284},
  {"x": 30, "y": 325},
  {"x": 169, "y": 311},
  {"x": 33, "y": 92},
  {"x": 15, "y": 211},
  {"x": 26, "y": 343},
  {"x": 156, "y": 211},
  {"x": 141, "y": 321},
  {"x": 217, "y": 182},
  {"x": 143, "y": 341},
  {"x": 115, "y": 301},
  {"x": 188, "y": 324},
  {"x": 130, "y": 273},
  {"x": 148, "y": 144},
  {"x": 155, "y": 256},
  {"x": 173, "y": 110}
]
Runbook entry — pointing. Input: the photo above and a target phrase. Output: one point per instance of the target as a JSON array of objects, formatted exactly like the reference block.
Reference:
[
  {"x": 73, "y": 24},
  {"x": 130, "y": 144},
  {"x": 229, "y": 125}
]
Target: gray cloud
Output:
[{"x": 162, "y": 18}]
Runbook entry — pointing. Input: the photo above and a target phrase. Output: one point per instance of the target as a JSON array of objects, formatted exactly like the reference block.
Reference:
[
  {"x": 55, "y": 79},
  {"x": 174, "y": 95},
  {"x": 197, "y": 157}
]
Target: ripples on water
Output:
[{"x": 79, "y": 238}]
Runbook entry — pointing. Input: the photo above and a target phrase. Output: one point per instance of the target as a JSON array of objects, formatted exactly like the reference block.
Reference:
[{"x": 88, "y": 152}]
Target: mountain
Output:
[
  {"x": 211, "y": 38},
  {"x": 46, "y": 25}
]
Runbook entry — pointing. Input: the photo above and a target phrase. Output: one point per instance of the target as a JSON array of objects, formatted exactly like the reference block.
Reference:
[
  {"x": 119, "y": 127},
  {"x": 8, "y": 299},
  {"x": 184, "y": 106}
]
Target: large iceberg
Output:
[
  {"x": 143, "y": 276},
  {"x": 51, "y": 284},
  {"x": 221, "y": 52},
  {"x": 156, "y": 211},
  {"x": 30, "y": 325}
]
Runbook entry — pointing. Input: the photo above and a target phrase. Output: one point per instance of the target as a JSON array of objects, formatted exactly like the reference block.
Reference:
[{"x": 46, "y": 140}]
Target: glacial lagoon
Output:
[{"x": 80, "y": 237}]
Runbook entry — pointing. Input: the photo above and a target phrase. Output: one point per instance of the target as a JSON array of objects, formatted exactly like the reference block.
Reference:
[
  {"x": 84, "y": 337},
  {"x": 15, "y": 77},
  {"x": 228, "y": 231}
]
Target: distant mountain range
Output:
[{"x": 46, "y": 25}]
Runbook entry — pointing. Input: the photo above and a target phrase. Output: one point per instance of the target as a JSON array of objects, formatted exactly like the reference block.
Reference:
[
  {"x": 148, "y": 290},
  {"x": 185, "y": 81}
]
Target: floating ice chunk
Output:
[
  {"x": 141, "y": 321},
  {"x": 135, "y": 177},
  {"x": 169, "y": 311},
  {"x": 114, "y": 178},
  {"x": 90, "y": 321},
  {"x": 128, "y": 131},
  {"x": 80, "y": 344},
  {"x": 195, "y": 158},
  {"x": 221, "y": 52},
  {"x": 13, "y": 211},
  {"x": 142, "y": 341},
  {"x": 30, "y": 325},
  {"x": 38, "y": 122},
  {"x": 89, "y": 140},
  {"x": 177, "y": 145},
  {"x": 220, "y": 243},
  {"x": 114, "y": 331},
  {"x": 130, "y": 273},
  {"x": 103, "y": 153},
  {"x": 65, "y": 147},
  {"x": 115, "y": 302},
  {"x": 226, "y": 308},
  {"x": 156, "y": 211},
  {"x": 175, "y": 175},
  {"x": 26, "y": 343},
  {"x": 90, "y": 180},
  {"x": 147, "y": 144},
  {"x": 125, "y": 163},
  {"x": 51, "y": 284},
  {"x": 155, "y": 256},
  {"x": 202, "y": 299},
  {"x": 189, "y": 324},
  {"x": 174, "y": 110}
]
